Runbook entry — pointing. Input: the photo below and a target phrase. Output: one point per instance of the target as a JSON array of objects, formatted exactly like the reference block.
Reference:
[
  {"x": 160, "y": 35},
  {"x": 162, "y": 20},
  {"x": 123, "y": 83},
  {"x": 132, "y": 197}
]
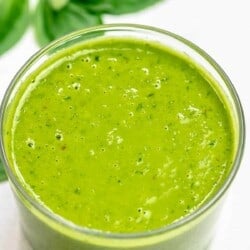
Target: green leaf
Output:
[
  {"x": 117, "y": 7},
  {"x": 53, "y": 23},
  {"x": 14, "y": 19},
  {"x": 2, "y": 172},
  {"x": 39, "y": 24},
  {"x": 58, "y": 4}
]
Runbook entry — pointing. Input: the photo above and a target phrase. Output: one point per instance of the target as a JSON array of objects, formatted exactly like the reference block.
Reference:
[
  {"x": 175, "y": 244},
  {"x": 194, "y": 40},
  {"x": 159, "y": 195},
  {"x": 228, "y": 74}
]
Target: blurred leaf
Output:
[
  {"x": 39, "y": 22},
  {"x": 52, "y": 23},
  {"x": 117, "y": 7},
  {"x": 14, "y": 20},
  {"x": 58, "y": 4},
  {"x": 2, "y": 172}
]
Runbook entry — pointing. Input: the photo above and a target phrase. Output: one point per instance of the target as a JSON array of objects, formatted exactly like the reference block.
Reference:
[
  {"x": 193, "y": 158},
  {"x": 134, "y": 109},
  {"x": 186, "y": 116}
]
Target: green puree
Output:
[{"x": 120, "y": 135}]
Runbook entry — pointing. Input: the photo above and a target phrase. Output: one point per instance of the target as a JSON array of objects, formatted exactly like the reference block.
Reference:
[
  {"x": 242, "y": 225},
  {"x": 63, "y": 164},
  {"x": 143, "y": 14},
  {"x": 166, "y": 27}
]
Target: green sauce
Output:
[{"x": 120, "y": 135}]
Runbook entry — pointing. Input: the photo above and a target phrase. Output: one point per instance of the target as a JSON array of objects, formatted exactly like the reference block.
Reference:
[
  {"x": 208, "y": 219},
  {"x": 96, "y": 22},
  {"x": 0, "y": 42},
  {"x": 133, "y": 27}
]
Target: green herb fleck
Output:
[
  {"x": 139, "y": 172},
  {"x": 139, "y": 107},
  {"x": 77, "y": 191},
  {"x": 150, "y": 94},
  {"x": 66, "y": 98},
  {"x": 97, "y": 58},
  {"x": 212, "y": 143}
]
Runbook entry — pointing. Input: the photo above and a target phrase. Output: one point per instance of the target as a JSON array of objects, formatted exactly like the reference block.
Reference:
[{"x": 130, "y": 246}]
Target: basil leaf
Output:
[
  {"x": 2, "y": 172},
  {"x": 117, "y": 7},
  {"x": 14, "y": 20},
  {"x": 58, "y": 4},
  {"x": 39, "y": 24},
  {"x": 53, "y": 23}
]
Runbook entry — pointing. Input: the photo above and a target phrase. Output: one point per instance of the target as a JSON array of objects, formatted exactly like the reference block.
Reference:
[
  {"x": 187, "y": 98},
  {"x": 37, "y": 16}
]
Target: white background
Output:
[{"x": 221, "y": 28}]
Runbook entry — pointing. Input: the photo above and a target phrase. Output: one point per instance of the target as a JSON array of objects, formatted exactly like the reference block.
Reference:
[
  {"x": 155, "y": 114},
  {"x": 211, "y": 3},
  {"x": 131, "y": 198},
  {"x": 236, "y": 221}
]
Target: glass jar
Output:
[{"x": 46, "y": 231}]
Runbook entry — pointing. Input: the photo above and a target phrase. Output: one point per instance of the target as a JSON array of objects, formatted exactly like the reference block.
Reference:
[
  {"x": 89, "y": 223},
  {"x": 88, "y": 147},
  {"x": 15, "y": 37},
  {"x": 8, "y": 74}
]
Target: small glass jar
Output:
[{"x": 46, "y": 231}]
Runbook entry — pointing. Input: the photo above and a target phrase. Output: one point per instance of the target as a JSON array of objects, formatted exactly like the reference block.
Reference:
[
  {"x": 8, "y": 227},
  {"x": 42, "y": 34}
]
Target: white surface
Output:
[{"x": 220, "y": 27}]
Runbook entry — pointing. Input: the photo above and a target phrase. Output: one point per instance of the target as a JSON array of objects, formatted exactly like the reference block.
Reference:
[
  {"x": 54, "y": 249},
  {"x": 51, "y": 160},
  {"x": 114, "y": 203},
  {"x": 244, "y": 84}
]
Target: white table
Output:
[{"x": 220, "y": 27}]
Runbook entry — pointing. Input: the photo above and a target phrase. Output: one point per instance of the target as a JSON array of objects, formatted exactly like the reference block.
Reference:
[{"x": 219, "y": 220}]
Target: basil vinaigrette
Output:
[{"x": 120, "y": 135}]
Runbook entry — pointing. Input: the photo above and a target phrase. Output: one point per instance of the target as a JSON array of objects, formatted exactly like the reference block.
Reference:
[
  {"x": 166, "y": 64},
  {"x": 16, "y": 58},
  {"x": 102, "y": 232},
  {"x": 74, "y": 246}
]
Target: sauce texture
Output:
[{"x": 120, "y": 135}]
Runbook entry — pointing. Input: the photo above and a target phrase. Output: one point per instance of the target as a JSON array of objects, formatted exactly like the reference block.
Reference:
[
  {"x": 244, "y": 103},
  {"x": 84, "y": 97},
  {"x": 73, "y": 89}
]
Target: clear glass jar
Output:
[{"x": 45, "y": 230}]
